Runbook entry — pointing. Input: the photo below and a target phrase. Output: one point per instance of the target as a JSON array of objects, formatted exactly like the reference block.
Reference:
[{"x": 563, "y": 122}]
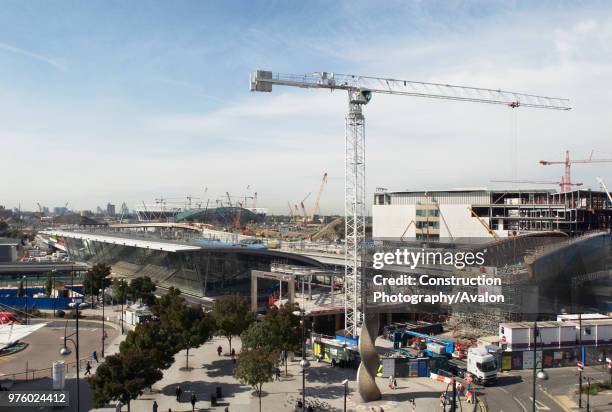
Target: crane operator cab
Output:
[{"x": 360, "y": 96}]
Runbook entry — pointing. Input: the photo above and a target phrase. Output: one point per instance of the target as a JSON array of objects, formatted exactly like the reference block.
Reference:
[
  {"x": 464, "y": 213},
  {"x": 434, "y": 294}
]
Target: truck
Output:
[{"x": 480, "y": 364}]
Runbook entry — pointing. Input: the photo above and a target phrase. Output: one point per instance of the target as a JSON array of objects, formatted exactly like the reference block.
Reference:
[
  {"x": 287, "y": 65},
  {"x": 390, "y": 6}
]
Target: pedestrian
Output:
[
  {"x": 178, "y": 392},
  {"x": 88, "y": 368},
  {"x": 390, "y": 382},
  {"x": 443, "y": 400},
  {"x": 278, "y": 374},
  {"x": 219, "y": 350},
  {"x": 394, "y": 383},
  {"x": 94, "y": 356},
  {"x": 118, "y": 406},
  {"x": 233, "y": 352},
  {"x": 155, "y": 406},
  {"x": 193, "y": 401}
]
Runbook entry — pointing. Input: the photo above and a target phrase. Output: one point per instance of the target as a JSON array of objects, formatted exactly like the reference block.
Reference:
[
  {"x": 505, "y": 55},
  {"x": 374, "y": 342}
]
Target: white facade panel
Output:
[
  {"x": 460, "y": 222},
  {"x": 390, "y": 221}
]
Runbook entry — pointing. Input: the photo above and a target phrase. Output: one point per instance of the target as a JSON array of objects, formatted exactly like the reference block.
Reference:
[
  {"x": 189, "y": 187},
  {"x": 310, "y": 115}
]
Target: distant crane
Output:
[
  {"x": 605, "y": 188},
  {"x": 568, "y": 166},
  {"x": 562, "y": 184},
  {"x": 290, "y": 210},
  {"x": 315, "y": 209},
  {"x": 297, "y": 213},
  {"x": 360, "y": 90},
  {"x": 304, "y": 212}
]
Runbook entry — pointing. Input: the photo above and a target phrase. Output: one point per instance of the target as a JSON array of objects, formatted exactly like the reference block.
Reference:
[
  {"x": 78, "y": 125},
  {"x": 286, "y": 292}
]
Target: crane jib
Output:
[{"x": 262, "y": 81}]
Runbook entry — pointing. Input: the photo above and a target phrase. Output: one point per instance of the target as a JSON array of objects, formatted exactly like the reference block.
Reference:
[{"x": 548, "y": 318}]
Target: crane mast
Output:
[{"x": 360, "y": 90}]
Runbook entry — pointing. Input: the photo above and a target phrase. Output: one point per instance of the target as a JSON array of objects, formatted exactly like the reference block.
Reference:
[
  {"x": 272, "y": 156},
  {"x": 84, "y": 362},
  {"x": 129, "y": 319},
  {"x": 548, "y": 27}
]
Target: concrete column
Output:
[{"x": 254, "y": 290}]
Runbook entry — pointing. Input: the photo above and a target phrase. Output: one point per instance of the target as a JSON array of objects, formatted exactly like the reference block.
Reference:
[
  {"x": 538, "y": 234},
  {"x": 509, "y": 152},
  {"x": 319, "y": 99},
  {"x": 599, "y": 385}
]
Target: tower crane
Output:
[
  {"x": 290, "y": 210},
  {"x": 315, "y": 209},
  {"x": 568, "y": 166},
  {"x": 562, "y": 184},
  {"x": 360, "y": 90}
]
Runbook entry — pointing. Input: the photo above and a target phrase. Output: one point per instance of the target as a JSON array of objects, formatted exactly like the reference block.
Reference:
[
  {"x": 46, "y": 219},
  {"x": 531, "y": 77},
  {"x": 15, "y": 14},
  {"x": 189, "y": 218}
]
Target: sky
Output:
[{"x": 114, "y": 101}]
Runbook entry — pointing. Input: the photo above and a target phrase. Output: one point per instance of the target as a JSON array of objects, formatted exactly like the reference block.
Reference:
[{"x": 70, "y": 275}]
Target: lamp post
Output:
[
  {"x": 345, "y": 383},
  {"x": 304, "y": 362},
  {"x": 581, "y": 361},
  {"x": 588, "y": 409},
  {"x": 66, "y": 351},
  {"x": 103, "y": 330},
  {"x": 53, "y": 273},
  {"x": 26, "y": 296},
  {"x": 122, "y": 297}
]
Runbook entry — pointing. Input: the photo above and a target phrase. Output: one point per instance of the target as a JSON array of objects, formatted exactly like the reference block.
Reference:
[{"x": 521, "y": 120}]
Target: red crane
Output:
[
  {"x": 562, "y": 184},
  {"x": 567, "y": 181}
]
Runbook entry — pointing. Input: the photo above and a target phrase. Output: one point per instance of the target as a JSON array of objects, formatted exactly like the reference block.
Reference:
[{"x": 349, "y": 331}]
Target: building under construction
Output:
[{"x": 481, "y": 213}]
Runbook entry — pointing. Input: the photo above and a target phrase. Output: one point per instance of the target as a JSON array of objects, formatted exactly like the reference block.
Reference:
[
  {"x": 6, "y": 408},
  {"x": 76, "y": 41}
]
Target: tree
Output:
[
  {"x": 196, "y": 328},
  {"x": 142, "y": 288},
  {"x": 259, "y": 335},
  {"x": 153, "y": 341},
  {"x": 285, "y": 325},
  {"x": 96, "y": 278},
  {"x": 49, "y": 284},
  {"x": 255, "y": 367},
  {"x": 123, "y": 377},
  {"x": 120, "y": 290},
  {"x": 186, "y": 325},
  {"x": 20, "y": 290},
  {"x": 232, "y": 316}
]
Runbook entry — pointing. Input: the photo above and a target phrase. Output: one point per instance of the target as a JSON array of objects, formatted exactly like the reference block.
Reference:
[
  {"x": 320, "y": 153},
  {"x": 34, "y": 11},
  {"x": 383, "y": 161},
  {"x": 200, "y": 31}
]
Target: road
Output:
[{"x": 44, "y": 345}]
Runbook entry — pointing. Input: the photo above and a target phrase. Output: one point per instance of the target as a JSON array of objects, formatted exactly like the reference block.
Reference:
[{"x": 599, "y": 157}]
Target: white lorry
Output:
[{"x": 480, "y": 364}]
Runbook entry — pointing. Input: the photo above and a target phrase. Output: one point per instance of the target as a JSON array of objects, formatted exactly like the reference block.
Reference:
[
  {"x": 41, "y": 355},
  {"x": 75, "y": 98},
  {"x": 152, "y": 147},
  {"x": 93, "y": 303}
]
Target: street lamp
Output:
[
  {"x": 345, "y": 383},
  {"x": 26, "y": 296},
  {"x": 304, "y": 362},
  {"x": 64, "y": 350},
  {"x": 103, "y": 331},
  {"x": 122, "y": 297},
  {"x": 53, "y": 274}
]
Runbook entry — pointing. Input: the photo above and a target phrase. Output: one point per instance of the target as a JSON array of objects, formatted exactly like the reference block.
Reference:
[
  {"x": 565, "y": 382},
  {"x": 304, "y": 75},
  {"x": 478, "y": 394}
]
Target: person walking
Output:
[
  {"x": 390, "y": 382},
  {"x": 118, "y": 406},
  {"x": 233, "y": 352},
  {"x": 219, "y": 350},
  {"x": 178, "y": 392},
  {"x": 193, "y": 401},
  {"x": 155, "y": 406},
  {"x": 94, "y": 356},
  {"x": 394, "y": 383},
  {"x": 88, "y": 368}
]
